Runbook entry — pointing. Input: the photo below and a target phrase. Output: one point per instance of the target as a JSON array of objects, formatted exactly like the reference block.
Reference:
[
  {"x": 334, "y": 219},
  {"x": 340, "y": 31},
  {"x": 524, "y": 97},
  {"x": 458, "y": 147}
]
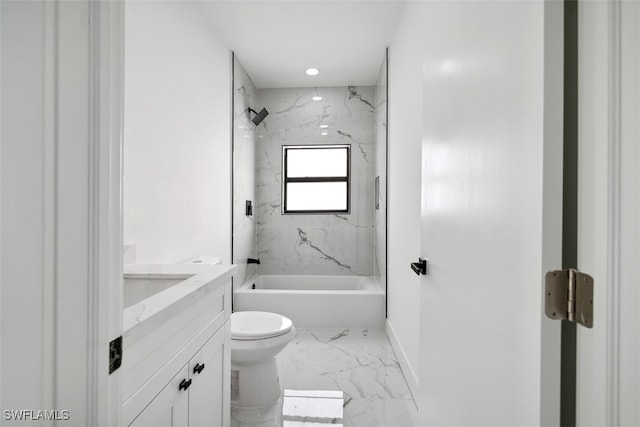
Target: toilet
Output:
[{"x": 256, "y": 338}]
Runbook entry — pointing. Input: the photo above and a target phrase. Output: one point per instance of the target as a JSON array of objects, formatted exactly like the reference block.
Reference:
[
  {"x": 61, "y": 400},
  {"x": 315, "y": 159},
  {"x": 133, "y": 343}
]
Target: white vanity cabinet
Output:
[
  {"x": 169, "y": 408},
  {"x": 177, "y": 363},
  {"x": 196, "y": 395}
]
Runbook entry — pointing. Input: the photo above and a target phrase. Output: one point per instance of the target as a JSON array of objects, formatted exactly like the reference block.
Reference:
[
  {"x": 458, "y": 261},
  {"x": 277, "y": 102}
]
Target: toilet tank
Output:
[{"x": 205, "y": 260}]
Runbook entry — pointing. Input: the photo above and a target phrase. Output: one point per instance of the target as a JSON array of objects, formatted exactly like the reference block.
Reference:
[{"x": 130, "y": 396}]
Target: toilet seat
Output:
[{"x": 257, "y": 325}]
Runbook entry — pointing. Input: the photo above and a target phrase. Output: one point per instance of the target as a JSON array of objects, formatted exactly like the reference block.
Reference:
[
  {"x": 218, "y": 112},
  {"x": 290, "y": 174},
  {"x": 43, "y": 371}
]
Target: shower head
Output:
[{"x": 259, "y": 116}]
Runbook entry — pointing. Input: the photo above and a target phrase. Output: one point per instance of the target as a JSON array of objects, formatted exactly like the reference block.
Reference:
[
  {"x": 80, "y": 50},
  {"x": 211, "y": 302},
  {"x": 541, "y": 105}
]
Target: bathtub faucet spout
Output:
[{"x": 253, "y": 261}]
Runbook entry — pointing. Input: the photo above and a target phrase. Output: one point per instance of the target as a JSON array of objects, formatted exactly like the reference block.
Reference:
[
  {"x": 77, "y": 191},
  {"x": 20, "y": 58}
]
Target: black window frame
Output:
[{"x": 286, "y": 179}]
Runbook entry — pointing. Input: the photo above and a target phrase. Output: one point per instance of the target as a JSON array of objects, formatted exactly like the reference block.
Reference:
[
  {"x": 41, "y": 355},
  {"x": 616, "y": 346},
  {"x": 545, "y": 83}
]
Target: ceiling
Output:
[{"x": 276, "y": 41}]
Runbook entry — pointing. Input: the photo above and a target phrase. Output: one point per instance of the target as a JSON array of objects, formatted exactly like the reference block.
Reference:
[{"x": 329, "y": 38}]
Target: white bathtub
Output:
[{"x": 316, "y": 301}]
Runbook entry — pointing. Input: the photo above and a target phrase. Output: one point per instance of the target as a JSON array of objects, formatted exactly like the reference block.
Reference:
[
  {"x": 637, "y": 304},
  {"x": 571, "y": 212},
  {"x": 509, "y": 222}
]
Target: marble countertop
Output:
[{"x": 197, "y": 276}]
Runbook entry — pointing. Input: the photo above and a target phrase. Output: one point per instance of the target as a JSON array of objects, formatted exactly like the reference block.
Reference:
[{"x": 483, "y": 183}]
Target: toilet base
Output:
[{"x": 255, "y": 385}]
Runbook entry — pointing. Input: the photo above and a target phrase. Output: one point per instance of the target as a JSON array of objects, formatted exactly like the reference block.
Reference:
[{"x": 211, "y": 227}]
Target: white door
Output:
[
  {"x": 491, "y": 213},
  {"x": 608, "y": 359}
]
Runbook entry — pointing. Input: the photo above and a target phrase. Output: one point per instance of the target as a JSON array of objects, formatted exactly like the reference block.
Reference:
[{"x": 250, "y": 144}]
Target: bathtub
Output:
[{"x": 316, "y": 301}]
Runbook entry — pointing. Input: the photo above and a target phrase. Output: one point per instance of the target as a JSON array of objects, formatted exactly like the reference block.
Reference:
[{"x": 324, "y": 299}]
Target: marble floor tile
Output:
[
  {"x": 380, "y": 412},
  {"x": 337, "y": 377}
]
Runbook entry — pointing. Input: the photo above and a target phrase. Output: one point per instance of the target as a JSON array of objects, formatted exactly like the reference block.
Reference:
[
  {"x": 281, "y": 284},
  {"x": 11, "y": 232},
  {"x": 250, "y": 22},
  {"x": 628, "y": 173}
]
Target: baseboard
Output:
[{"x": 407, "y": 369}]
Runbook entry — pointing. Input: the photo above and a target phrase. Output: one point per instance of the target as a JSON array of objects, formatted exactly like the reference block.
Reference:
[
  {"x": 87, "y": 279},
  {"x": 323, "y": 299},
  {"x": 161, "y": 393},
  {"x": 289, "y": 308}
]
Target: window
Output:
[{"x": 315, "y": 178}]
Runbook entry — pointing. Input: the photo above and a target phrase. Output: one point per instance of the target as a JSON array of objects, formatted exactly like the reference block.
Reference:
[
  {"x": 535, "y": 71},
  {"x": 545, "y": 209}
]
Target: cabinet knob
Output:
[
  {"x": 184, "y": 384},
  {"x": 198, "y": 368}
]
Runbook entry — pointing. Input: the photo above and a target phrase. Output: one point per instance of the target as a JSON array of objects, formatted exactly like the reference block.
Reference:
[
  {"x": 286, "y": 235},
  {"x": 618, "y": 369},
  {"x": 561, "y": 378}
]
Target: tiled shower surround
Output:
[
  {"x": 244, "y": 226},
  {"x": 380, "y": 214},
  {"x": 316, "y": 243}
]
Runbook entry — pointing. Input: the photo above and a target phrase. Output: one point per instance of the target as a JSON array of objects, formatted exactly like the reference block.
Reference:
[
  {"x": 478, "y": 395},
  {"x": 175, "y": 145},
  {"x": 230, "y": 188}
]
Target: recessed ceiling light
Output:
[
  {"x": 312, "y": 71},
  {"x": 324, "y": 126},
  {"x": 324, "y": 133},
  {"x": 317, "y": 98}
]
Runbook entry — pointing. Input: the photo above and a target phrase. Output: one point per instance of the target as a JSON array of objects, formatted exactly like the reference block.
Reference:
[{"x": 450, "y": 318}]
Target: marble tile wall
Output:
[
  {"x": 380, "y": 214},
  {"x": 244, "y": 227},
  {"x": 316, "y": 244}
]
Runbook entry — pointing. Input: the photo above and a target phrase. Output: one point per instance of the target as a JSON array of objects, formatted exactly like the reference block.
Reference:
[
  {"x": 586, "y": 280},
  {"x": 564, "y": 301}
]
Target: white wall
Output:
[
  {"x": 405, "y": 136},
  {"x": 177, "y": 155}
]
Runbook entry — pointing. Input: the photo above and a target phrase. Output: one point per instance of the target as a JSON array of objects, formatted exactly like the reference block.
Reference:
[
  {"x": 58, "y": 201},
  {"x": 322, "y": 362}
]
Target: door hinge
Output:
[
  {"x": 115, "y": 354},
  {"x": 569, "y": 296}
]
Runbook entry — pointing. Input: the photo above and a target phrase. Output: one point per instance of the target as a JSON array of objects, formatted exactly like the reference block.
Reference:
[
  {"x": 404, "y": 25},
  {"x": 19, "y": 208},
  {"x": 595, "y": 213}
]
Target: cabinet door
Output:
[
  {"x": 207, "y": 402},
  {"x": 169, "y": 408}
]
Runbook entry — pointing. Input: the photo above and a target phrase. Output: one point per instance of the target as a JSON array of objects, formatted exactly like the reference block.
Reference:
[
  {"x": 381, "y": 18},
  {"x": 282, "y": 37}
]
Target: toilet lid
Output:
[{"x": 255, "y": 325}]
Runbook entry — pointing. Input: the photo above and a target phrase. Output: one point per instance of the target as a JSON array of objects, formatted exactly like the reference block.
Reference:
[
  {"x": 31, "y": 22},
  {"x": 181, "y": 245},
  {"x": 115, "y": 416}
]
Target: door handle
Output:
[{"x": 419, "y": 267}]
